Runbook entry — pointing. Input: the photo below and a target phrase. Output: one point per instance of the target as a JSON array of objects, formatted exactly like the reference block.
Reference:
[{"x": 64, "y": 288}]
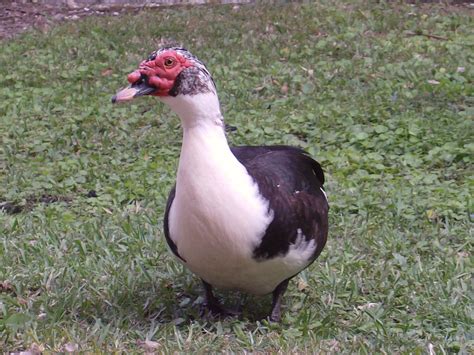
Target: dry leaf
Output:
[
  {"x": 302, "y": 284},
  {"x": 332, "y": 344},
  {"x": 35, "y": 349},
  {"x": 309, "y": 71},
  {"x": 431, "y": 349},
  {"x": 70, "y": 347},
  {"x": 107, "y": 210},
  {"x": 106, "y": 72},
  {"x": 42, "y": 315},
  {"x": 269, "y": 28},
  {"x": 22, "y": 300},
  {"x": 148, "y": 345},
  {"x": 369, "y": 305},
  {"x": 6, "y": 286}
]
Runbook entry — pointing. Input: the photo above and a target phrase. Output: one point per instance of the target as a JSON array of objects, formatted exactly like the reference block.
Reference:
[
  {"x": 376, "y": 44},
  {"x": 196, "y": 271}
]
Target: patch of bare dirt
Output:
[
  {"x": 32, "y": 201},
  {"x": 17, "y": 16},
  {"x": 14, "y": 208}
]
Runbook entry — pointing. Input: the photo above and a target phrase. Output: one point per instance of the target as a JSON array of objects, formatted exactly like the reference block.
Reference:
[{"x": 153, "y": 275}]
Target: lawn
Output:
[{"x": 380, "y": 94}]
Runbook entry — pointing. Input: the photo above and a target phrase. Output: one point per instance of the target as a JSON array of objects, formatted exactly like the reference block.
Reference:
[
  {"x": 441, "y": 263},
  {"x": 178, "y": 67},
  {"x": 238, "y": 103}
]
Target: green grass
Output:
[{"x": 387, "y": 113}]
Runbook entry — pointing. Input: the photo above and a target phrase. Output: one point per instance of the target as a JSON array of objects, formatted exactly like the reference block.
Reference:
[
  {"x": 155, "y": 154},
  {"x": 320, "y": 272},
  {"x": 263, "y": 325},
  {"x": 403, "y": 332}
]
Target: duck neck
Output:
[
  {"x": 205, "y": 152},
  {"x": 200, "y": 110}
]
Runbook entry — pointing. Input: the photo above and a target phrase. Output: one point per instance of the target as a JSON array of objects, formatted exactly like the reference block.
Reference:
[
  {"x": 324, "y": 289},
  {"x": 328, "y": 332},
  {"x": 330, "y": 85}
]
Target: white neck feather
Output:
[
  {"x": 205, "y": 148},
  {"x": 196, "y": 110}
]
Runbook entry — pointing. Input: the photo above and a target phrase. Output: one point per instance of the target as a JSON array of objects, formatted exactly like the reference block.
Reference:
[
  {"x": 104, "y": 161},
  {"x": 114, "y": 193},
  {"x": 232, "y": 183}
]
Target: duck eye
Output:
[{"x": 169, "y": 62}]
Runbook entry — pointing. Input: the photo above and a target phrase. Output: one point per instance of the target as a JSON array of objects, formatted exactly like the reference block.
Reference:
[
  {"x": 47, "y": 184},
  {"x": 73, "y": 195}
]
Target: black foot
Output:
[
  {"x": 275, "y": 315},
  {"x": 217, "y": 310},
  {"x": 213, "y": 306}
]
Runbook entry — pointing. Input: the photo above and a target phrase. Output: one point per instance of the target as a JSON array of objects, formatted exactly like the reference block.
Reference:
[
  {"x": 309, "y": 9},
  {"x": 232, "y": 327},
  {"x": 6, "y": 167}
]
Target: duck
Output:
[{"x": 244, "y": 218}]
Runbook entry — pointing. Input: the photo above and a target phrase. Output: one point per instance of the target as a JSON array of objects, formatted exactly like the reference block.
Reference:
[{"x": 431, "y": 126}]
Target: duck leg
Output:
[
  {"x": 275, "y": 315},
  {"x": 213, "y": 305}
]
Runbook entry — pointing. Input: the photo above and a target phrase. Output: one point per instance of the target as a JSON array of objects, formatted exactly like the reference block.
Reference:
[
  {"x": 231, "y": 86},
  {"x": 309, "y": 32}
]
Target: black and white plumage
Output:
[{"x": 244, "y": 218}]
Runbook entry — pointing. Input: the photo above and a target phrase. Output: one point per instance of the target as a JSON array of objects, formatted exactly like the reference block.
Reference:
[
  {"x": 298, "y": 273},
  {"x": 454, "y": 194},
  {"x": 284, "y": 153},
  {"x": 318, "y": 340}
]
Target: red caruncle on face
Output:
[{"x": 161, "y": 72}]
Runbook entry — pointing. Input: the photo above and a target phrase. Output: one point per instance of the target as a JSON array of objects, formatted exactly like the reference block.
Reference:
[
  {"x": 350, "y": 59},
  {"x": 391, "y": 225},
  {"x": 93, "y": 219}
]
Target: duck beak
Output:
[{"x": 139, "y": 88}]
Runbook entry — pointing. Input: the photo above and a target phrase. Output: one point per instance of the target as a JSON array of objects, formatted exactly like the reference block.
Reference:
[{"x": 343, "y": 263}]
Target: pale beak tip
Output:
[{"x": 126, "y": 94}]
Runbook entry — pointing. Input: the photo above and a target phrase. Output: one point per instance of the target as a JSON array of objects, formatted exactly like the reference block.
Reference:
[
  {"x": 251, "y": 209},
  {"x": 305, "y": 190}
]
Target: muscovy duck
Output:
[{"x": 246, "y": 218}]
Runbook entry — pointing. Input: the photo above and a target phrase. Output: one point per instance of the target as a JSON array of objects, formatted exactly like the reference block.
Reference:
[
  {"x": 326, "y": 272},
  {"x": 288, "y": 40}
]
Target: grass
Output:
[{"x": 384, "y": 107}]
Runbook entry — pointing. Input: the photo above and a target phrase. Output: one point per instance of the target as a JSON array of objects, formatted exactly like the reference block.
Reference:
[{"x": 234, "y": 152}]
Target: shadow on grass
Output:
[{"x": 178, "y": 304}]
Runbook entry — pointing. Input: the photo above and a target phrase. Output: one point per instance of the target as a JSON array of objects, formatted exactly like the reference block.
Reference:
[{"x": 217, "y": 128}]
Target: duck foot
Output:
[
  {"x": 217, "y": 310},
  {"x": 275, "y": 315},
  {"x": 214, "y": 307}
]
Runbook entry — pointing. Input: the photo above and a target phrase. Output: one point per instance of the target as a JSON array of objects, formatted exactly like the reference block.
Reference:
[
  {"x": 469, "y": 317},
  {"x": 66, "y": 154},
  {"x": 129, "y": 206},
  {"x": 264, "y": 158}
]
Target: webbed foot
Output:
[{"x": 214, "y": 307}]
